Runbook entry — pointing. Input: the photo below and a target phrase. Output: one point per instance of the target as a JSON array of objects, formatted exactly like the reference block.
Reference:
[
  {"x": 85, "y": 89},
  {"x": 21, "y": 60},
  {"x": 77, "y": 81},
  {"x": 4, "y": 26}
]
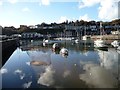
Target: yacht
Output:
[
  {"x": 100, "y": 44},
  {"x": 48, "y": 42}
]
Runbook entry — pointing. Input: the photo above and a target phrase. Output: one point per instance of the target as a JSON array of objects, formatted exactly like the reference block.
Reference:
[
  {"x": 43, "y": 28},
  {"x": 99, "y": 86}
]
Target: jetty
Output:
[{"x": 7, "y": 48}]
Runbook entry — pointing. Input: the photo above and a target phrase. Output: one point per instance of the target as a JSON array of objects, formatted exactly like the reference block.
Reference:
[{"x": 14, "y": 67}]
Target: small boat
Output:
[
  {"x": 47, "y": 41},
  {"x": 100, "y": 44},
  {"x": 115, "y": 43},
  {"x": 86, "y": 37}
]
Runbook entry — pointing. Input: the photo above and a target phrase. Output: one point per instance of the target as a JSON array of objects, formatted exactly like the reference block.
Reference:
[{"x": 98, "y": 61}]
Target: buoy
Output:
[{"x": 64, "y": 51}]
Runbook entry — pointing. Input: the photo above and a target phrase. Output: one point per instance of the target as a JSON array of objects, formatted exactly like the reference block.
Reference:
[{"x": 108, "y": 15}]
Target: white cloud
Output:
[
  {"x": 1, "y": 3},
  {"x": 3, "y": 70},
  {"x": 47, "y": 77},
  {"x": 84, "y": 17},
  {"x": 63, "y": 19},
  {"x": 97, "y": 76},
  {"x": 44, "y": 2},
  {"x": 13, "y": 1},
  {"x": 87, "y": 3},
  {"x": 26, "y": 9},
  {"x": 108, "y": 8}
]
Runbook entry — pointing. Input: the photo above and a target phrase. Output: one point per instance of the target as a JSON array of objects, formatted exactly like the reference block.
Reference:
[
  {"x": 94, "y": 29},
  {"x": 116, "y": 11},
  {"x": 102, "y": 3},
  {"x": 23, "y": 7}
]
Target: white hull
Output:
[
  {"x": 100, "y": 44},
  {"x": 50, "y": 41},
  {"x": 115, "y": 43},
  {"x": 86, "y": 37}
]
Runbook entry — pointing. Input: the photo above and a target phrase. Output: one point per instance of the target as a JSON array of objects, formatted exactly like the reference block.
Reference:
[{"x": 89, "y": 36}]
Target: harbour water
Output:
[{"x": 83, "y": 67}]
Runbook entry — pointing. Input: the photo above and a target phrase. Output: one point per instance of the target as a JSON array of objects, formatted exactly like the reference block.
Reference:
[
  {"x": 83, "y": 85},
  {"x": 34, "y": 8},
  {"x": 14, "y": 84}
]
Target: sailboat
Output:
[{"x": 100, "y": 43}]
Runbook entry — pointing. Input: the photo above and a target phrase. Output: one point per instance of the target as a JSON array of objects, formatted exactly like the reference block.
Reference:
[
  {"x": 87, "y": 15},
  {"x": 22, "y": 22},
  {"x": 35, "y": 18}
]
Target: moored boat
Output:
[{"x": 115, "y": 43}]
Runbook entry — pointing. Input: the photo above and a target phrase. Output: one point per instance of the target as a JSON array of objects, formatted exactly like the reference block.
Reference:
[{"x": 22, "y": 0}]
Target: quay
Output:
[
  {"x": 7, "y": 48},
  {"x": 108, "y": 38}
]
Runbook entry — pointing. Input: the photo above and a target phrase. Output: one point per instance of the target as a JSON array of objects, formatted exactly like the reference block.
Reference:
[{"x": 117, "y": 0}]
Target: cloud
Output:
[
  {"x": 98, "y": 77},
  {"x": 109, "y": 60},
  {"x": 44, "y": 2},
  {"x": 87, "y": 3},
  {"x": 13, "y": 1},
  {"x": 27, "y": 85},
  {"x": 107, "y": 10},
  {"x": 3, "y": 70},
  {"x": 84, "y": 17},
  {"x": 47, "y": 77},
  {"x": 63, "y": 19},
  {"x": 26, "y": 9},
  {"x": 1, "y": 3}
]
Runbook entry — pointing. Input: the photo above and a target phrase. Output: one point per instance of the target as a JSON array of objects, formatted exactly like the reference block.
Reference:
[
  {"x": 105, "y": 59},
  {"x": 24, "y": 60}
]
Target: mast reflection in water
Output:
[{"x": 35, "y": 66}]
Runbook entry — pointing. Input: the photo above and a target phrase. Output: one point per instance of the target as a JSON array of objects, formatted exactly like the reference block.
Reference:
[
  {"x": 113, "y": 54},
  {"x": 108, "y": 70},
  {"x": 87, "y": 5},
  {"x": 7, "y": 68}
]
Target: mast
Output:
[{"x": 101, "y": 28}]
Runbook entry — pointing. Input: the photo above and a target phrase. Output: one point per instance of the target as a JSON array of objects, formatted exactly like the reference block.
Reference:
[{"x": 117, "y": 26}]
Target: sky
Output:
[{"x": 33, "y": 12}]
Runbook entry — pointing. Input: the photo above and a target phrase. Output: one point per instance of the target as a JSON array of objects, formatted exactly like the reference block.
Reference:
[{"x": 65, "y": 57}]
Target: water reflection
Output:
[
  {"x": 97, "y": 76},
  {"x": 109, "y": 60},
  {"x": 3, "y": 71},
  {"x": 27, "y": 85},
  {"x": 47, "y": 78},
  {"x": 36, "y": 66}
]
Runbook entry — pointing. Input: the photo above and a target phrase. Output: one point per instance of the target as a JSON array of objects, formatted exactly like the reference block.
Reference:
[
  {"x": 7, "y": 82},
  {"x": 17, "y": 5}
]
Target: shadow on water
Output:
[{"x": 6, "y": 53}]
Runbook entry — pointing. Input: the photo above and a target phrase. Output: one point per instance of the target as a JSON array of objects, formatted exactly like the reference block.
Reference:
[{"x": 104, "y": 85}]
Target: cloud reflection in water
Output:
[
  {"x": 27, "y": 85},
  {"x": 20, "y": 73},
  {"x": 3, "y": 71},
  {"x": 98, "y": 77},
  {"x": 46, "y": 78},
  {"x": 66, "y": 73}
]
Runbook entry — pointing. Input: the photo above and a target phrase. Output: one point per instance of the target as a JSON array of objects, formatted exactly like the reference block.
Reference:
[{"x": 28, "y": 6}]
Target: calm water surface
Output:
[{"x": 82, "y": 68}]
